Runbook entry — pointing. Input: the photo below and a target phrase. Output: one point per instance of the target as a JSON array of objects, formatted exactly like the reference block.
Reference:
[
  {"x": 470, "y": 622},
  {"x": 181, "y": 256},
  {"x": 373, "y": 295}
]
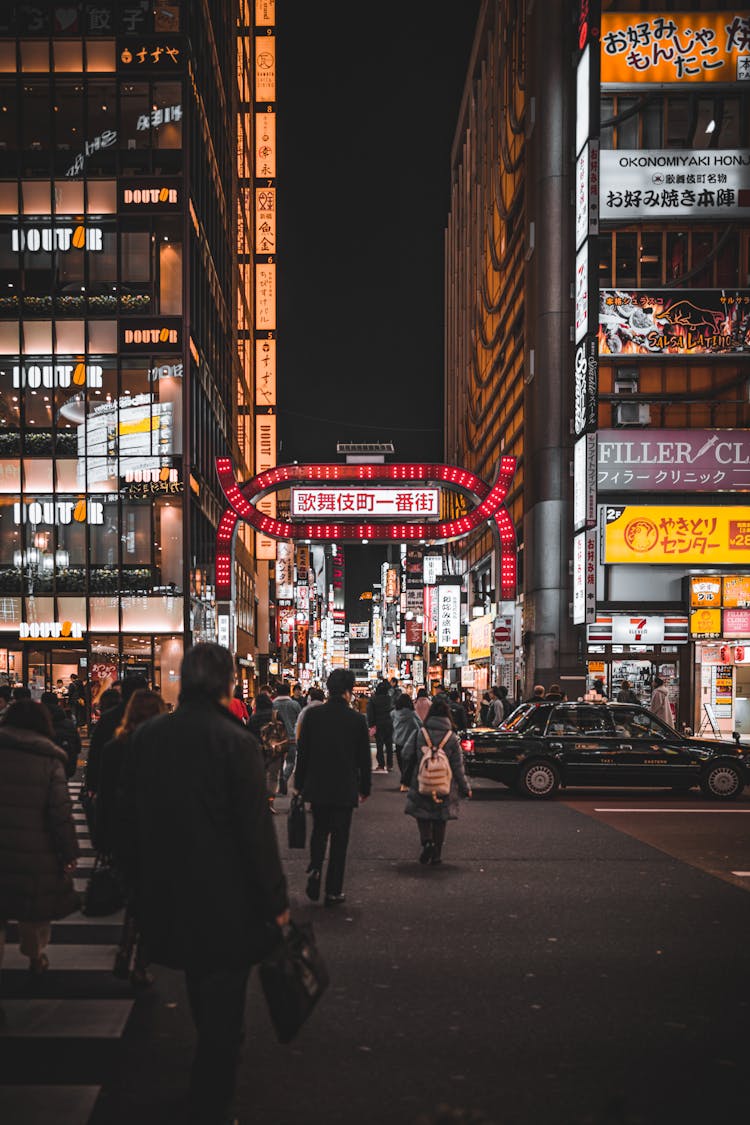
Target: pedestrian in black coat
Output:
[
  {"x": 380, "y": 716},
  {"x": 65, "y": 732},
  {"x": 333, "y": 773},
  {"x": 203, "y": 862},
  {"x": 103, "y": 731}
]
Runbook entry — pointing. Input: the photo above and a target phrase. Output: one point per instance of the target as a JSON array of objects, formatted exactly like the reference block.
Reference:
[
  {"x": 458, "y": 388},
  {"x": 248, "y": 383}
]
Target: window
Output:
[
  {"x": 37, "y": 337},
  {"x": 34, "y": 55},
  {"x": 104, "y": 538},
  {"x": 69, "y": 337},
  {"x": 103, "y": 336},
  {"x": 101, "y": 197},
  {"x": 36, "y": 197},
  {"x": 8, "y": 119},
  {"x": 68, "y": 54},
  {"x": 7, "y": 56},
  {"x": 68, "y": 195},
  {"x": 103, "y": 263},
  {"x": 135, "y": 110},
  {"x": 135, "y": 249},
  {"x": 639, "y": 724},
  {"x": 100, "y": 55}
]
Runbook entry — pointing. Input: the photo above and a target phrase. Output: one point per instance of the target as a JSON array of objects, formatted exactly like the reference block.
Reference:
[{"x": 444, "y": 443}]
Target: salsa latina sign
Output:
[
  {"x": 695, "y": 322},
  {"x": 406, "y": 489}
]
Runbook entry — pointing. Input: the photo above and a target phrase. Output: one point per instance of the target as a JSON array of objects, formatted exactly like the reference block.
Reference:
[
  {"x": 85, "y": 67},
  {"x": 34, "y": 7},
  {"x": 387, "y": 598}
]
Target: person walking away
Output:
[
  {"x": 432, "y": 815},
  {"x": 660, "y": 705},
  {"x": 262, "y": 715},
  {"x": 38, "y": 846},
  {"x": 65, "y": 731},
  {"x": 288, "y": 710},
  {"x": 626, "y": 693},
  {"x": 103, "y": 731},
  {"x": 379, "y": 715},
  {"x": 554, "y": 692},
  {"x": 537, "y": 694},
  {"x": 77, "y": 700},
  {"x": 203, "y": 861},
  {"x": 405, "y": 720},
  {"x": 315, "y": 697},
  {"x": 457, "y": 710},
  {"x": 422, "y": 704},
  {"x": 333, "y": 774},
  {"x": 143, "y": 704},
  {"x": 238, "y": 707}
]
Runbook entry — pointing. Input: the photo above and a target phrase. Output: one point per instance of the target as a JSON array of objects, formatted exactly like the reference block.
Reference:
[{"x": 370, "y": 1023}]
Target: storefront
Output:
[
  {"x": 720, "y": 632},
  {"x": 638, "y": 648}
]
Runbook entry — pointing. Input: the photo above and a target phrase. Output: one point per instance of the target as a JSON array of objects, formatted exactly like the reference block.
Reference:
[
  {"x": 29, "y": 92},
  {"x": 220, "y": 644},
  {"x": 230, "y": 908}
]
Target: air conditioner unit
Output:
[{"x": 632, "y": 414}]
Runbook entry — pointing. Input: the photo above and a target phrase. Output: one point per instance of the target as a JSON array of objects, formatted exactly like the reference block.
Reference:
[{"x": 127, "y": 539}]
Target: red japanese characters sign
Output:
[{"x": 409, "y": 493}]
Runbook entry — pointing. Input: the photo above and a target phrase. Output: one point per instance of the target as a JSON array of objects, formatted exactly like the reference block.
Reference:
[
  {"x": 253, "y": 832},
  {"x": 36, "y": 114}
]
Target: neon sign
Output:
[
  {"x": 149, "y": 196},
  {"x": 50, "y": 631},
  {"x": 58, "y": 375},
  {"x": 244, "y": 503},
  {"x": 56, "y": 238},
  {"x": 365, "y": 501}
]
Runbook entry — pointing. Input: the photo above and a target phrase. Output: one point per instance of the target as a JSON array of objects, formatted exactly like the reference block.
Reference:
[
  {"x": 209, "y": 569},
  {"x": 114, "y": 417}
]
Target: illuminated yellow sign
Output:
[
  {"x": 705, "y": 592},
  {"x": 705, "y": 623},
  {"x": 674, "y": 47},
  {"x": 736, "y": 590},
  {"x": 479, "y": 637},
  {"x": 677, "y": 535}
]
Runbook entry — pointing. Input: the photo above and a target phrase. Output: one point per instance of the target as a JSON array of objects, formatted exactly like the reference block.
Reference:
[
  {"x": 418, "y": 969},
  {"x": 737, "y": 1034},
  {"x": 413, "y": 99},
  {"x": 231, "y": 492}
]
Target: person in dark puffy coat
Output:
[
  {"x": 262, "y": 713},
  {"x": 405, "y": 720},
  {"x": 65, "y": 731},
  {"x": 38, "y": 847},
  {"x": 432, "y": 816}
]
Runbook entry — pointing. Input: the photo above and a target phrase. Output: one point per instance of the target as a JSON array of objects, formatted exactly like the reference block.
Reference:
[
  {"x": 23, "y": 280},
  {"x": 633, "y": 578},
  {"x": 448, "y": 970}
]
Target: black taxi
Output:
[{"x": 547, "y": 745}]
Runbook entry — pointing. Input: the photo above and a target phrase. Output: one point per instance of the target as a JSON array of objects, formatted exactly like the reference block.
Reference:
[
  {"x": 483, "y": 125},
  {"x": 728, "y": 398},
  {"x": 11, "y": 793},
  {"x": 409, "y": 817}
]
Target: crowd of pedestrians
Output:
[{"x": 180, "y": 804}]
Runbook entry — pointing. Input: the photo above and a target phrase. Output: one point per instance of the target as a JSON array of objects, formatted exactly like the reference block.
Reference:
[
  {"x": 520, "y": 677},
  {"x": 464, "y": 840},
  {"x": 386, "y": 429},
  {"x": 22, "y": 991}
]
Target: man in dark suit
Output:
[{"x": 333, "y": 771}]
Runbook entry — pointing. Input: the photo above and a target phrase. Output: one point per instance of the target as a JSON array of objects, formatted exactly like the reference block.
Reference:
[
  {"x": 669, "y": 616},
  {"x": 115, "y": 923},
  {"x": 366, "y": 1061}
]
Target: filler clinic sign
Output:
[
  {"x": 682, "y": 48},
  {"x": 671, "y": 184},
  {"x": 677, "y": 535},
  {"x": 366, "y": 501},
  {"x": 674, "y": 461}
]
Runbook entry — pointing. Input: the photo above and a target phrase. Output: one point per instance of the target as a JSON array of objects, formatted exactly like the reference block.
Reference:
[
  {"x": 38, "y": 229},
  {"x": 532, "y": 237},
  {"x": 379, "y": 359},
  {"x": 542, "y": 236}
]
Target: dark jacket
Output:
[
  {"x": 258, "y": 719},
  {"x": 627, "y": 695},
  {"x": 289, "y": 710},
  {"x": 334, "y": 762},
  {"x": 66, "y": 737},
  {"x": 37, "y": 834},
  {"x": 106, "y": 830},
  {"x": 418, "y": 804},
  {"x": 201, "y": 853},
  {"x": 379, "y": 710},
  {"x": 101, "y": 733}
]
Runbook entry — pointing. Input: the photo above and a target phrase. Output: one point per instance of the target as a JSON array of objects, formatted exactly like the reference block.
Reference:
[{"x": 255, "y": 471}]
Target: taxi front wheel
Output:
[
  {"x": 538, "y": 779},
  {"x": 722, "y": 781}
]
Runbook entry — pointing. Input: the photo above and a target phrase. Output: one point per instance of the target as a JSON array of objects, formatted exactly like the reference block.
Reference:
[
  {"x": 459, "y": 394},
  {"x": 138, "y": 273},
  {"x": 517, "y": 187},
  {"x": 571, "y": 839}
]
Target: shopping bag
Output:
[
  {"x": 293, "y": 977},
  {"x": 103, "y": 891},
  {"x": 296, "y": 823}
]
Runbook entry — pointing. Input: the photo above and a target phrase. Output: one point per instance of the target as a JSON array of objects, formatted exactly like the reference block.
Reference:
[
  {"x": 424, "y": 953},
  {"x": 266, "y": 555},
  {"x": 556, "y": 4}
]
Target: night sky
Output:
[{"x": 367, "y": 116}]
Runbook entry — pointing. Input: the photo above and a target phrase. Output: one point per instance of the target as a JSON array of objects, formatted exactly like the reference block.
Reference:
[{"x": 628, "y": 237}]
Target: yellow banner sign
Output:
[
  {"x": 674, "y": 47},
  {"x": 676, "y": 535},
  {"x": 705, "y": 623}
]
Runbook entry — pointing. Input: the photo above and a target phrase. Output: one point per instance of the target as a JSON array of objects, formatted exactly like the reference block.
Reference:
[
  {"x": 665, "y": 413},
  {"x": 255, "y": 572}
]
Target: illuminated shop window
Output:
[
  {"x": 153, "y": 614},
  {"x": 7, "y": 56},
  {"x": 34, "y": 55},
  {"x": 135, "y": 107},
  {"x": 104, "y": 539},
  {"x": 37, "y": 197},
  {"x": 70, "y": 337},
  {"x": 136, "y": 534},
  {"x": 102, "y": 336},
  {"x": 100, "y": 55},
  {"x": 37, "y": 474},
  {"x": 68, "y": 55},
  {"x": 101, "y": 197},
  {"x": 168, "y": 555},
  {"x": 10, "y": 614},
  {"x": 66, "y": 479},
  {"x": 37, "y": 337},
  {"x": 68, "y": 197},
  {"x": 170, "y": 278},
  {"x": 8, "y": 197},
  {"x": 10, "y": 476},
  {"x": 71, "y": 609},
  {"x": 104, "y": 616}
]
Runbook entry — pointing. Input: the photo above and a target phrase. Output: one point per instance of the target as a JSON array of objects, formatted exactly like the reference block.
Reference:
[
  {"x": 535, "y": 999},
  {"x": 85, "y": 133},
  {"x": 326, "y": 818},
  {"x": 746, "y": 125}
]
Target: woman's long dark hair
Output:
[
  {"x": 143, "y": 704},
  {"x": 25, "y": 714}
]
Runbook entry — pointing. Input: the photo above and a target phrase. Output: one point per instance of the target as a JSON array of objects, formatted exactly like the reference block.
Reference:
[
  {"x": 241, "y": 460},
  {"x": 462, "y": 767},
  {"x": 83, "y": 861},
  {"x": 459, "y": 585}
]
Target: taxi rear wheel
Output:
[
  {"x": 538, "y": 779},
  {"x": 722, "y": 781}
]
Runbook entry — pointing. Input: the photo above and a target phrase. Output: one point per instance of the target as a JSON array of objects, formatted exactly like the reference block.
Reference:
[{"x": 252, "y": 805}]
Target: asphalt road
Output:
[{"x": 562, "y": 967}]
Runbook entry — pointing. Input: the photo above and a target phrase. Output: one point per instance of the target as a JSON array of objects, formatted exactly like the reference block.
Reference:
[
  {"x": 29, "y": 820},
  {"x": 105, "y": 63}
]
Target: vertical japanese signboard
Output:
[
  {"x": 264, "y": 173},
  {"x": 449, "y": 614}
]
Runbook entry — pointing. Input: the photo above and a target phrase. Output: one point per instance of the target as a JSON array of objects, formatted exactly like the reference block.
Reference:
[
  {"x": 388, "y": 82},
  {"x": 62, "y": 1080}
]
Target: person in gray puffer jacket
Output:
[
  {"x": 38, "y": 847},
  {"x": 432, "y": 816},
  {"x": 405, "y": 720}
]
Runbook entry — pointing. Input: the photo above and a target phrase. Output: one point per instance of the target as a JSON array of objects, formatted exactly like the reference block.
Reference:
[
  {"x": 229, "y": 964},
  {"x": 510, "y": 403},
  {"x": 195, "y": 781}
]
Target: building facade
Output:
[
  {"x": 597, "y": 273},
  {"x": 119, "y": 361}
]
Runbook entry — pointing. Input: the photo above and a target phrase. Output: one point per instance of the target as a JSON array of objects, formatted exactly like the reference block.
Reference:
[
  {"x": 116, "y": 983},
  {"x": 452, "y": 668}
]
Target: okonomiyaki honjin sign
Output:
[{"x": 405, "y": 496}]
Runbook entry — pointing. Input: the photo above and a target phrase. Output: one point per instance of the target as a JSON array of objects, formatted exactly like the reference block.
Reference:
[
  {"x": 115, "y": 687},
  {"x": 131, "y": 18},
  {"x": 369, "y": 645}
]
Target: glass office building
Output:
[{"x": 118, "y": 356}]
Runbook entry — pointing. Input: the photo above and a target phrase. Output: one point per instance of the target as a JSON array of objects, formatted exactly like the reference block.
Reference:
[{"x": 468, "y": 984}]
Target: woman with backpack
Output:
[{"x": 433, "y": 764}]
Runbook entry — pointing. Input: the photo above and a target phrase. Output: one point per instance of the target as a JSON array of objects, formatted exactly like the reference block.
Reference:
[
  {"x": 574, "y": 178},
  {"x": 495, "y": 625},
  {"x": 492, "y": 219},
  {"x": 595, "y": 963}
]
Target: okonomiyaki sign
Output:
[{"x": 673, "y": 461}]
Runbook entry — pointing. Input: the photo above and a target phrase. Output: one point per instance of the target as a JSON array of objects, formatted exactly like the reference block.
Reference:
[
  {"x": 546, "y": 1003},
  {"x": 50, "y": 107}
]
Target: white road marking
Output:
[{"x": 746, "y": 811}]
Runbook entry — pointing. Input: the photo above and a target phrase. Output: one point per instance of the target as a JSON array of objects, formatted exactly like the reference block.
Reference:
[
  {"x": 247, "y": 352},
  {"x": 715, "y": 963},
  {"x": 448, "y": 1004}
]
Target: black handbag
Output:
[
  {"x": 104, "y": 894},
  {"x": 293, "y": 977},
  {"x": 296, "y": 823}
]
